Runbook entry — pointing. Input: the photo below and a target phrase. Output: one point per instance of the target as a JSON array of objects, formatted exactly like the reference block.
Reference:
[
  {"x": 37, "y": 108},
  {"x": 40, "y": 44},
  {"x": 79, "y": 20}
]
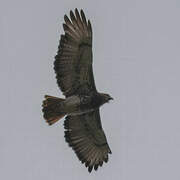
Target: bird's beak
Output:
[{"x": 111, "y": 98}]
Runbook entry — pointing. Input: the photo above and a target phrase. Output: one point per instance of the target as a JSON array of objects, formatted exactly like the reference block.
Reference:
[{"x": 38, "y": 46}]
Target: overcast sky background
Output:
[{"x": 136, "y": 46}]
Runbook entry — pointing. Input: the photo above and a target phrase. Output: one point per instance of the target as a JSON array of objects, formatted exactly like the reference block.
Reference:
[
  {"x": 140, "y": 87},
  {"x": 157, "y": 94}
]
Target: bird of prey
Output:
[{"x": 74, "y": 74}]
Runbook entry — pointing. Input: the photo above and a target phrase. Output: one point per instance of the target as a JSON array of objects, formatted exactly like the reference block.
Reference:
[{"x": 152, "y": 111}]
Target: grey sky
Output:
[{"x": 136, "y": 45}]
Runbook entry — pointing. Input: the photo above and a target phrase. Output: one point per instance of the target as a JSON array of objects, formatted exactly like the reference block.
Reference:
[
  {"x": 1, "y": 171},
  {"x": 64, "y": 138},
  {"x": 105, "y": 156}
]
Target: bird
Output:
[{"x": 82, "y": 102}]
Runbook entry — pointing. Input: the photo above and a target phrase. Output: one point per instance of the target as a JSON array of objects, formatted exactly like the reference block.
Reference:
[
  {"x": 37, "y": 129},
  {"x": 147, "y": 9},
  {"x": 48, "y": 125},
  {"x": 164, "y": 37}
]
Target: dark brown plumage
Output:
[
  {"x": 74, "y": 74},
  {"x": 85, "y": 135}
]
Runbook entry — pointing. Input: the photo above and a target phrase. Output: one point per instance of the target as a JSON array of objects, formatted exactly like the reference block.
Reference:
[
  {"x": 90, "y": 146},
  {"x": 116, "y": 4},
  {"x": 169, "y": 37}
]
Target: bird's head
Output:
[{"x": 106, "y": 97}]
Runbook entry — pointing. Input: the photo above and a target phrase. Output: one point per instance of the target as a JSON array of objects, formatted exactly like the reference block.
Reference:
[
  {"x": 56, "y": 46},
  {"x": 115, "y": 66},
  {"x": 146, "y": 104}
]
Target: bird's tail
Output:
[{"x": 52, "y": 109}]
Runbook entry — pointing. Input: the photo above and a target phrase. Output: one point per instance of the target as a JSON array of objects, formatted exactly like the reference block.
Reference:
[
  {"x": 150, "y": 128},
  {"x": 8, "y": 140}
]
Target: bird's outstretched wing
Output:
[
  {"x": 85, "y": 135},
  {"x": 73, "y": 62}
]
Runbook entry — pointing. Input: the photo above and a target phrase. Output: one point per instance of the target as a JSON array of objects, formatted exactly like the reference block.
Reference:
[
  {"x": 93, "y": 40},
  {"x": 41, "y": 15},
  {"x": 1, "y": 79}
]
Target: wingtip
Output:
[
  {"x": 90, "y": 169},
  {"x": 65, "y": 17},
  {"x": 82, "y": 13},
  {"x": 71, "y": 13},
  {"x": 110, "y": 152},
  {"x": 96, "y": 167}
]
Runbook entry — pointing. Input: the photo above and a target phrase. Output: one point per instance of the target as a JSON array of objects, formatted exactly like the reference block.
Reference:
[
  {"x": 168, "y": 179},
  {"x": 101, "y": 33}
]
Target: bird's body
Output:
[
  {"x": 73, "y": 67},
  {"x": 77, "y": 105}
]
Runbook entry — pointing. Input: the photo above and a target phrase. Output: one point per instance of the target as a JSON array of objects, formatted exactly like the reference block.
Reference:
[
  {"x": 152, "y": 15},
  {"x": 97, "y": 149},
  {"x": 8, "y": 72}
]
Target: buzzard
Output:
[{"x": 74, "y": 73}]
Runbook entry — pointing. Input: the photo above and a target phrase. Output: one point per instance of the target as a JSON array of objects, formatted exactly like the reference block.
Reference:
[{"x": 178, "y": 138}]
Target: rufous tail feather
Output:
[{"x": 52, "y": 109}]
